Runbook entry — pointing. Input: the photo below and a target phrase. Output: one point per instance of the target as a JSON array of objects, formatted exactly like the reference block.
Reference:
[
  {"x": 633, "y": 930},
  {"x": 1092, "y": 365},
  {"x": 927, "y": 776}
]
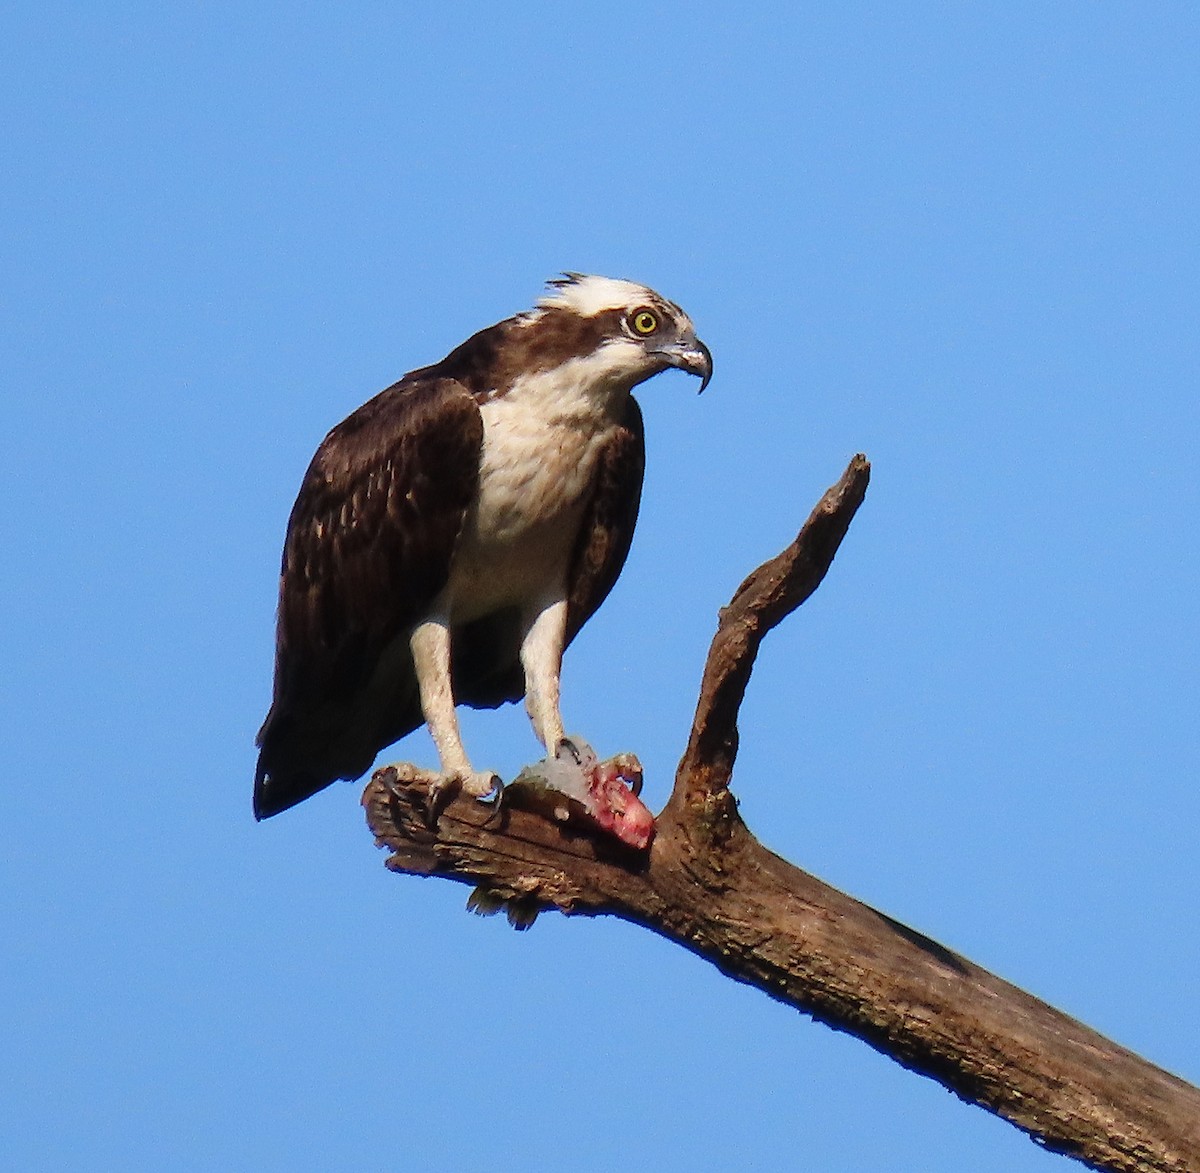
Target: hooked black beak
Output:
[{"x": 691, "y": 355}]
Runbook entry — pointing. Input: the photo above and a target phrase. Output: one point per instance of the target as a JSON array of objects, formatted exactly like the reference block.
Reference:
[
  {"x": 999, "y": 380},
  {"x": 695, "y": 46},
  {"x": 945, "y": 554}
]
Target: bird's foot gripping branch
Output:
[
  {"x": 707, "y": 884},
  {"x": 574, "y": 789}
]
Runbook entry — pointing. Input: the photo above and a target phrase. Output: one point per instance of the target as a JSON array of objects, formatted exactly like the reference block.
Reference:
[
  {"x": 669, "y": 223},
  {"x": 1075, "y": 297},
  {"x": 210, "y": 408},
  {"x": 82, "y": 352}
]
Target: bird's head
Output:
[{"x": 629, "y": 332}]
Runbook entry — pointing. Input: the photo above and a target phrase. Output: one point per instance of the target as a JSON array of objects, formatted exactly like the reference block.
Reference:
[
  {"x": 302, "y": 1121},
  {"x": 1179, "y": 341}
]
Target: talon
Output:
[
  {"x": 495, "y": 799},
  {"x": 630, "y": 771},
  {"x": 495, "y": 795},
  {"x": 567, "y": 744},
  {"x": 439, "y": 796},
  {"x": 485, "y": 787},
  {"x": 576, "y": 752}
]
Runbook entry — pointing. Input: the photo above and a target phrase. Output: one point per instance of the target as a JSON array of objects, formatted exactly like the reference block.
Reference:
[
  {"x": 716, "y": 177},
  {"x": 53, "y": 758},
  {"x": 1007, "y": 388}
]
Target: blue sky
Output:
[{"x": 960, "y": 238}]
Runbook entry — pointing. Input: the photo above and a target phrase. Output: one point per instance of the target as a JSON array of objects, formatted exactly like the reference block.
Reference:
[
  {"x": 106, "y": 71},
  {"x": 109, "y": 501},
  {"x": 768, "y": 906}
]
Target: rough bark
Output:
[{"x": 709, "y": 885}]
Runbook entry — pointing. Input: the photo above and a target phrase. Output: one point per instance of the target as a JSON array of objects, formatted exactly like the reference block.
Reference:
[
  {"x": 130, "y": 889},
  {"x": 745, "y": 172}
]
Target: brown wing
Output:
[
  {"x": 607, "y": 528},
  {"x": 368, "y": 548}
]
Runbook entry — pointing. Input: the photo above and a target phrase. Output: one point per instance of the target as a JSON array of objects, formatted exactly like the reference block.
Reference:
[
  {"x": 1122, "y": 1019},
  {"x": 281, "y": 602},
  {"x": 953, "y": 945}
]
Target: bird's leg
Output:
[
  {"x": 571, "y": 783},
  {"x": 541, "y": 658},
  {"x": 430, "y": 643},
  {"x": 570, "y": 761}
]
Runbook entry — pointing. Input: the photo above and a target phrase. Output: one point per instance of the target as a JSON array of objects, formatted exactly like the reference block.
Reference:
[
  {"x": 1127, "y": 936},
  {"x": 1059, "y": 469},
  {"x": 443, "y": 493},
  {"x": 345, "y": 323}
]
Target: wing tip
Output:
[
  {"x": 275, "y": 792},
  {"x": 263, "y": 809}
]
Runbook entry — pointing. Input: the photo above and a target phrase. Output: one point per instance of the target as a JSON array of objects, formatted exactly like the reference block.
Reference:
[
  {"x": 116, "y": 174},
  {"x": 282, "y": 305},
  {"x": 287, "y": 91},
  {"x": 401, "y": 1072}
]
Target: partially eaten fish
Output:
[{"x": 575, "y": 787}]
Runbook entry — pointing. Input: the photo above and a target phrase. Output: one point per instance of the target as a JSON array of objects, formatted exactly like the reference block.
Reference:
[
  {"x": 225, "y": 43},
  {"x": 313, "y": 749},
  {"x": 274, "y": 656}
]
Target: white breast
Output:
[{"x": 540, "y": 445}]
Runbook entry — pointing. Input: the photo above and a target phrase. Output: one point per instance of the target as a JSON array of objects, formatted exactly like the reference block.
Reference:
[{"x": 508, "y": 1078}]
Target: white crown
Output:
[{"x": 592, "y": 295}]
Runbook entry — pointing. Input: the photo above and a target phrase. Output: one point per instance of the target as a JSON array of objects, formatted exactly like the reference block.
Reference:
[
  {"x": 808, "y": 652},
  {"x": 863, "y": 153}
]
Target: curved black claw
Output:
[
  {"x": 576, "y": 751},
  {"x": 494, "y": 799},
  {"x": 567, "y": 744},
  {"x": 495, "y": 796},
  {"x": 439, "y": 796},
  {"x": 629, "y": 768},
  {"x": 449, "y": 786}
]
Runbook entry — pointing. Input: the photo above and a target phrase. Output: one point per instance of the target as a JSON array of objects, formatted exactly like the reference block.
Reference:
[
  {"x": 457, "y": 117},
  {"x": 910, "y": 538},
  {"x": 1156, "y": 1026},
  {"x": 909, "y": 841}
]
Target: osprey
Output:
[{"x": 453, "y": 534}]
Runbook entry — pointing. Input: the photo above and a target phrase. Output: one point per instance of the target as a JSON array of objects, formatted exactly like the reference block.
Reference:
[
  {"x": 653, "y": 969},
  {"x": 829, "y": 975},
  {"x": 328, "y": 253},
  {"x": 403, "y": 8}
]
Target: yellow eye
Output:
[{"x": 643, "y": 321}]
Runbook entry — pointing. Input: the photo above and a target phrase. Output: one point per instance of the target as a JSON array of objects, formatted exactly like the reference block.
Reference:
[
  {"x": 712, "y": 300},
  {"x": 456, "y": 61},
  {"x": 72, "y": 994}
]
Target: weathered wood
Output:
[{"x": 710, "y": 886}]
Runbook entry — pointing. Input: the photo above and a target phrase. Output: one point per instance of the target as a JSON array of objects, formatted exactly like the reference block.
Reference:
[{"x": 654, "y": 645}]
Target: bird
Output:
[{"x": 453, "y": 534}]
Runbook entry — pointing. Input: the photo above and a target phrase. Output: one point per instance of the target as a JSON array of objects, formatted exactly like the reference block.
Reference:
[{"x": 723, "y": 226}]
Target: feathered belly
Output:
[{"x": 518, "y": 539}]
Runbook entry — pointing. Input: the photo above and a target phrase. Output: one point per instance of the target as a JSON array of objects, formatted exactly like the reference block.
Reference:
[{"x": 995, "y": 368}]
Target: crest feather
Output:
[{"x": 588, "y": 295}]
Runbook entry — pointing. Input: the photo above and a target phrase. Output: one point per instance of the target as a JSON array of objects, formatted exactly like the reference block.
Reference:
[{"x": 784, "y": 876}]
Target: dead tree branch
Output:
[{"x": 710, "y": 886}]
